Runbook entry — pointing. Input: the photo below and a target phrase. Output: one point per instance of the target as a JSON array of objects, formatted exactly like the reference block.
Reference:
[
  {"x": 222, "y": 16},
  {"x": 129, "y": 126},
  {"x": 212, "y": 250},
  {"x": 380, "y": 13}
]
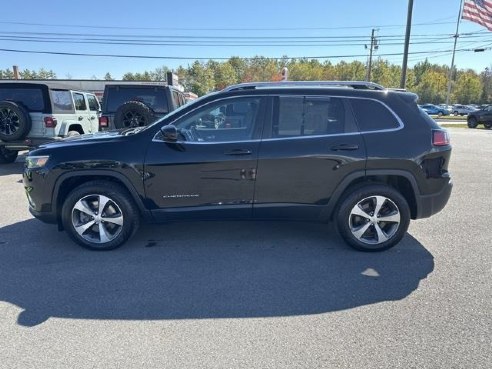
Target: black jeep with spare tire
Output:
[{"x": 129, "y": 104}]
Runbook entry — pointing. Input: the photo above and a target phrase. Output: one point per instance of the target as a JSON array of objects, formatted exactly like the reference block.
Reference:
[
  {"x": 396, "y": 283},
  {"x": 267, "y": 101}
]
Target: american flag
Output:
[{"x": 478, "y": 11}]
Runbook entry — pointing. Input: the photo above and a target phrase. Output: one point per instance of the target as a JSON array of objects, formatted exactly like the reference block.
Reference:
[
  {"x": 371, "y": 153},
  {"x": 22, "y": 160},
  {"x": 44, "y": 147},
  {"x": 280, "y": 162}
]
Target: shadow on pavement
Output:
[
  {"x": 201, "y": 270},
  {"x": 13, "y": 168}
]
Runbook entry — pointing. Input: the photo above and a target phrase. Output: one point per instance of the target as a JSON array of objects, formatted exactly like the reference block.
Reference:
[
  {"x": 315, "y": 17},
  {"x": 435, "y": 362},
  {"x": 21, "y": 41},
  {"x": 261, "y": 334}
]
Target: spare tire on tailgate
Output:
[
  {"x": 15, "y": 122},
  {"x": 133, "y": 114}
]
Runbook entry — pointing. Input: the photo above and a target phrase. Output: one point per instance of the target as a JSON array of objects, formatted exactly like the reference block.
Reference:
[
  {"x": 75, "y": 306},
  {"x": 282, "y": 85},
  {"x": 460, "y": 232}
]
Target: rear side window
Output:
[
  {"x": 31, "y": 98},
  {"x": 371, "y": 115},
  {"x": 155, "y": 98},
  {"x": 62, "y": 101},
  {"x": 311, "y": 116}
]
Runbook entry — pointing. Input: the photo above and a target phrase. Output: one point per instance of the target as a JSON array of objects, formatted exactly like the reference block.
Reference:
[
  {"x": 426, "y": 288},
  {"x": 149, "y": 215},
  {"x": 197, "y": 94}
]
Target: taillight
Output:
[
  {"x": 440, "y": 138},
  {"x": 50, "y": 122},
  {"x": 103, "y": 122}
]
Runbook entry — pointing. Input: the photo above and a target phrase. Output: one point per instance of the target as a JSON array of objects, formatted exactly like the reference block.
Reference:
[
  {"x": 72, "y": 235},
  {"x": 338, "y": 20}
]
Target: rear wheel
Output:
[
  {"x": 100, "y": 215},
  {"x": 15, "y": 122},
  {"x": 472, "y": 122},
  {"x": 487, "y": 125},
  {"x": 7, "y": 156},
  {"x": 373, "y": 218}
]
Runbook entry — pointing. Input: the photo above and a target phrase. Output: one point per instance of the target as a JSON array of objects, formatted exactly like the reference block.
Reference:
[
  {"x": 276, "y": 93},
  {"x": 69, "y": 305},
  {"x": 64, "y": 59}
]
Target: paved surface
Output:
[{"x": 253, "y": 295}]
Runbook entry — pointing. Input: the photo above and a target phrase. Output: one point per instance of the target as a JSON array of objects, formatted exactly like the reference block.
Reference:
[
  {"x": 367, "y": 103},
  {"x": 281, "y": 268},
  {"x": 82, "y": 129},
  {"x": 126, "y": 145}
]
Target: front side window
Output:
[
  {"x": 79, "y": 101},
  {"x": 312, "y": 116},
  {"x": 93, "y": 103},
  {"x": 222, "y": 121}
]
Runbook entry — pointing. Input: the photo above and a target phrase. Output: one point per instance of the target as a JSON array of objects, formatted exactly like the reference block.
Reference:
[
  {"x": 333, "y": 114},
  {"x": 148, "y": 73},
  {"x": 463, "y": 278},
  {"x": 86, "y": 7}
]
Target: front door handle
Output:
[
  {"x": 238, "y": 152},
  {"x": 345, "y": 147}
]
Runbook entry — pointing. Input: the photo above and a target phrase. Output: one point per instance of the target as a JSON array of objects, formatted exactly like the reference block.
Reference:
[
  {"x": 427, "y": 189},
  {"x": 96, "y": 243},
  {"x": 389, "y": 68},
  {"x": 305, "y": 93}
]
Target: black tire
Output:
[
  {"x": 455, "y": 113},
  {"x": 7, "y": 156},
  {"x": 472, "y": 122},
  {"x": 119, "y": 209},
  {"x": 487, "y": 125},
  {"x": 439, "y": 114},
  {"x": 133, "y": 114},
  {"x": 393, "y": 205},
  {"x": 15, "y": 122}
]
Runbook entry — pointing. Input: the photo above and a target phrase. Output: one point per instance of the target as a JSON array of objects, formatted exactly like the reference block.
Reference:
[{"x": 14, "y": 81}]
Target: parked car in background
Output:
[
  {"x": 462, "y": 109},
  {"x": 353, "y": 152},
  {"x": 33, "y": 113},
  {"x": 482, "y": 116},
  {"x": 132, "y": 105},
  {"x": 434, "y": 110}
]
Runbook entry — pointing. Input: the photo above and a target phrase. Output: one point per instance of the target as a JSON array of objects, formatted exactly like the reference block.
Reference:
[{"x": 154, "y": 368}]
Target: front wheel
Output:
[
  {"x": 472, "y": 122},
  {"x": 373, "y": 218},
  {"x": 100, "y": 215},
  {"x": 487, "y": 125}
]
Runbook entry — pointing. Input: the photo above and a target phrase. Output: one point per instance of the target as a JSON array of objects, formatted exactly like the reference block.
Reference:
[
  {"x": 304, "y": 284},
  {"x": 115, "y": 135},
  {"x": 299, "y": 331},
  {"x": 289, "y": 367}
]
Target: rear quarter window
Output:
[
  {"x": 62, "y": 101},
  {"x": 371, "y": 115}
]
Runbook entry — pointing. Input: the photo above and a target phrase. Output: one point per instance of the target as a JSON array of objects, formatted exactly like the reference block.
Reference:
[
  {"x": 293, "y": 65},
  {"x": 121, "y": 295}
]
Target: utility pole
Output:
[
  {"x": 403, "y": 80},
  {"x": 374, "y": 46},
  {"x": 456, "y": 35}
]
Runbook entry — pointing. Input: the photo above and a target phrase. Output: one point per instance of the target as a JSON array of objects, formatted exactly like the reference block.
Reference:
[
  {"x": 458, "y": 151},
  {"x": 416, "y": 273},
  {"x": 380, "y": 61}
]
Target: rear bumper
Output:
[{"x": 428, "y": 205}]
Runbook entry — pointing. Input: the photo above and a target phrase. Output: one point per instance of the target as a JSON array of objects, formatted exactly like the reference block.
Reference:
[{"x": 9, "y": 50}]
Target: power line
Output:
[
  {"x": 220, "y": 29},
  {"x": 214, "y": 58}
]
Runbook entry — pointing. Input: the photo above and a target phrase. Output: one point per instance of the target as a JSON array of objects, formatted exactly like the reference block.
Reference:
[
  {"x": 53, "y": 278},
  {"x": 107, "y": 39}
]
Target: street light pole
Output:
[{"x": 403, "y": 80}]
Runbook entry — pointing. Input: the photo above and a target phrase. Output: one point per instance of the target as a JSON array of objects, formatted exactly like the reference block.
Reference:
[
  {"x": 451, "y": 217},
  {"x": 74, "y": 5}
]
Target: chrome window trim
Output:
[
  {"x": 401, "y": 125},
  {"x": 154, "y": 139}
]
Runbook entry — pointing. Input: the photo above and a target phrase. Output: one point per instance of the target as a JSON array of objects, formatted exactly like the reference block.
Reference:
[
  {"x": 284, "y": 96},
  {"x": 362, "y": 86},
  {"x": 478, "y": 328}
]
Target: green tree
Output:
[
  {"x": 108, "y": 77},
  {"x": 468, "y": 88}
]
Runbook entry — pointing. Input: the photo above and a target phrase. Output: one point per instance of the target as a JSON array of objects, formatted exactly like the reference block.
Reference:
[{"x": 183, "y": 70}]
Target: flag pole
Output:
[{"x": 456, "y": 35}]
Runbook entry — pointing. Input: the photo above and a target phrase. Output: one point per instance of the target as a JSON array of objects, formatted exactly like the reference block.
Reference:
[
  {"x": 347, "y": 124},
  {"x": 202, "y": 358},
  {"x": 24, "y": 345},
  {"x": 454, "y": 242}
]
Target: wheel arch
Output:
[
  {"x": 69, "y": 181},
  {"x": 400, "y": 180}
]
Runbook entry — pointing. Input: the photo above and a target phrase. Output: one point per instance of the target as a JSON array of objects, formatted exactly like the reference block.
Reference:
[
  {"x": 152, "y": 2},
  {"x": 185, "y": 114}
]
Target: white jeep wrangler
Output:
[{"x": 33, "y": 113}]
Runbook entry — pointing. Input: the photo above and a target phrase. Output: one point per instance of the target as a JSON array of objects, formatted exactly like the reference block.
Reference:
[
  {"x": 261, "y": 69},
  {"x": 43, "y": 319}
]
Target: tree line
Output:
[{"x": 428, "y": 80}]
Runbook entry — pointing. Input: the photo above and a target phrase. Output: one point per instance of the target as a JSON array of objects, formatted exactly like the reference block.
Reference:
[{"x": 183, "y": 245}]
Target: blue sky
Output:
[{"x": 213, "y": 29}]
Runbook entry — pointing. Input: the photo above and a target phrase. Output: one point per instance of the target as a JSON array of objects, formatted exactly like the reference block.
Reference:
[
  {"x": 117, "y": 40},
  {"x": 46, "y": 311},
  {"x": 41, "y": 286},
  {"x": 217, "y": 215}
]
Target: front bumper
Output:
[{"x": 44, "y": 216}]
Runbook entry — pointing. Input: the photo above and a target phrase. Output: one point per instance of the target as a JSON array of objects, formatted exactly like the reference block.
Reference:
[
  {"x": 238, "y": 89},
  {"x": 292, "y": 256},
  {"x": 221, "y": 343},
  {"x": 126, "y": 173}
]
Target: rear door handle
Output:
[
  {"x": 238, "y": 152},
  {"x": 345, "y": 147}
]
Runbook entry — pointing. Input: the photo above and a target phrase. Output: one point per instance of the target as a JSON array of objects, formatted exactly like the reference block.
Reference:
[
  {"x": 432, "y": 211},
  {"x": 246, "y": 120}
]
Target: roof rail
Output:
[{"x": 361, "y": 85}]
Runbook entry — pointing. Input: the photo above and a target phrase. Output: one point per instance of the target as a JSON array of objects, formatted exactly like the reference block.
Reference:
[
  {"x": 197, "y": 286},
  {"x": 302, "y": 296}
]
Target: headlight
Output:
[{"x": 36, "y": 161}]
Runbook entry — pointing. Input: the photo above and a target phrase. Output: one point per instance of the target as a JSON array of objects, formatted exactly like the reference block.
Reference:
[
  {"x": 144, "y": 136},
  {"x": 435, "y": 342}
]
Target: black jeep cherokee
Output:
[{"x": 353, "y": 152}]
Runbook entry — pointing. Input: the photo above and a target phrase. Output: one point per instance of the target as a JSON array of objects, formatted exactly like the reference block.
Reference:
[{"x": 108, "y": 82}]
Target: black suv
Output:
[
  {"x": 127, "y": 105},
  {"x": 353, "y": 152},
  {"x": 482, "y": 116}
]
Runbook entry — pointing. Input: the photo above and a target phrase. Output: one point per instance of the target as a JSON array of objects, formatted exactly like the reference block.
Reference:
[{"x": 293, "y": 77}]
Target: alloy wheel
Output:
[
  {"x": 9, "y": 121},
  {"x": 374, "y": 220},
  {"x": 97, "y": 219}
]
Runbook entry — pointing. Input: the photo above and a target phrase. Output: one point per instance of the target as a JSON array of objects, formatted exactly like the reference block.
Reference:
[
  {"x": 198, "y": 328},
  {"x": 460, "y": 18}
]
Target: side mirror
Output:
[{"x": 169, "y": 133}]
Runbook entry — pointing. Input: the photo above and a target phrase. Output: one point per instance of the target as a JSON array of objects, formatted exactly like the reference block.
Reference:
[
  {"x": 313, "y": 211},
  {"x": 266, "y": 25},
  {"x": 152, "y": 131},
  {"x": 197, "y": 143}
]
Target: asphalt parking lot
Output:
[{"x": 251, "y": 294}]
